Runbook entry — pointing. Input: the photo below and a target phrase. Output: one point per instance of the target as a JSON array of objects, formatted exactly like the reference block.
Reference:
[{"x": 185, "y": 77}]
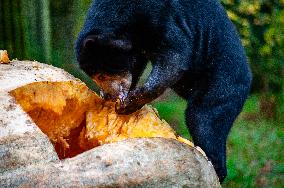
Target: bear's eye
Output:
[
  {"x": 118, "y": 62},
  {"x": 115, "y": 66},
  {"x": 101, "y": 77}
]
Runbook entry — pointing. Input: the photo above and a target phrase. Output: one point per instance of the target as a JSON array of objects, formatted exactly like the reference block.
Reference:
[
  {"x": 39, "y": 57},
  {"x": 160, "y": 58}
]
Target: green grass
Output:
[
  {"x": 173, "y": 112},
  {"x": 255, "y": 147}
]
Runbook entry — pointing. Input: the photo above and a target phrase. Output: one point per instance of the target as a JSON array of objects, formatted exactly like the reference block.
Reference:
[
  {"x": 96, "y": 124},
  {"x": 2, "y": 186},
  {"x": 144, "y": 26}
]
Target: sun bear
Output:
[{"x": 194, "y": 49}]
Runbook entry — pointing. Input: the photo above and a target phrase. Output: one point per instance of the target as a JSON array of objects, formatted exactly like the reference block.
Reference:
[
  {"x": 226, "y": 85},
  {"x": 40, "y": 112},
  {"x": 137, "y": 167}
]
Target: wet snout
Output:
[{"x": 113, "y": 86}]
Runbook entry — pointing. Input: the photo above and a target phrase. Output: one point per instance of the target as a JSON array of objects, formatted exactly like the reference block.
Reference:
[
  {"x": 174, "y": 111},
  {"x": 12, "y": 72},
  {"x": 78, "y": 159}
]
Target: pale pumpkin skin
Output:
[{"x": 29, "y": 158}]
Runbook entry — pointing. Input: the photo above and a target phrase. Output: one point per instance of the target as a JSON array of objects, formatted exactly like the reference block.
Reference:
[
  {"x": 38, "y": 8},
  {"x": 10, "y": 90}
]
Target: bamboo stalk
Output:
[
  {"x": 46, "y": 30},
  {"x": 8, "y": 26}
]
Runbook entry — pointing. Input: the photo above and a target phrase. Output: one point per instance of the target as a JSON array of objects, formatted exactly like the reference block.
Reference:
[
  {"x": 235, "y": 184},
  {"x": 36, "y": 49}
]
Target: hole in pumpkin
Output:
[
  {"x": 59, "y": 110},
  {"x": 75, "y": 119}
]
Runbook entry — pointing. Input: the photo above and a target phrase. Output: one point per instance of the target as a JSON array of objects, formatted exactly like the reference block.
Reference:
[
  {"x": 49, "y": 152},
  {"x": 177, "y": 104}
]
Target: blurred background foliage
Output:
[{"x": 46, "y": 31}]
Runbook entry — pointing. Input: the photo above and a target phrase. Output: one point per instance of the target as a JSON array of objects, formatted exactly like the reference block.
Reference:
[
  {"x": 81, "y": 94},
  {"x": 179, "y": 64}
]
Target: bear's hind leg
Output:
[{"x": 209, "y": 117}]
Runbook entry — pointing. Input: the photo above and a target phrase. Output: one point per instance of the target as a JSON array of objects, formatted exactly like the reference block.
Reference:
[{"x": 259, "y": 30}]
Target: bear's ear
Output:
[
  {"x": 93, "y": 41},
  {"x": 89, "y": 42}
]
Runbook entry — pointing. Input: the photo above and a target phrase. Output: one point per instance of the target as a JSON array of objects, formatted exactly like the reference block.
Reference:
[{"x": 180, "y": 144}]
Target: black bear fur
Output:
[{"x": 194, "y": 49}]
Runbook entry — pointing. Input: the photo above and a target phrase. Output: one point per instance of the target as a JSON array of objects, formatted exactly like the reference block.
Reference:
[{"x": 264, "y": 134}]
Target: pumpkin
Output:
[{"x": 54, "y": 131}]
